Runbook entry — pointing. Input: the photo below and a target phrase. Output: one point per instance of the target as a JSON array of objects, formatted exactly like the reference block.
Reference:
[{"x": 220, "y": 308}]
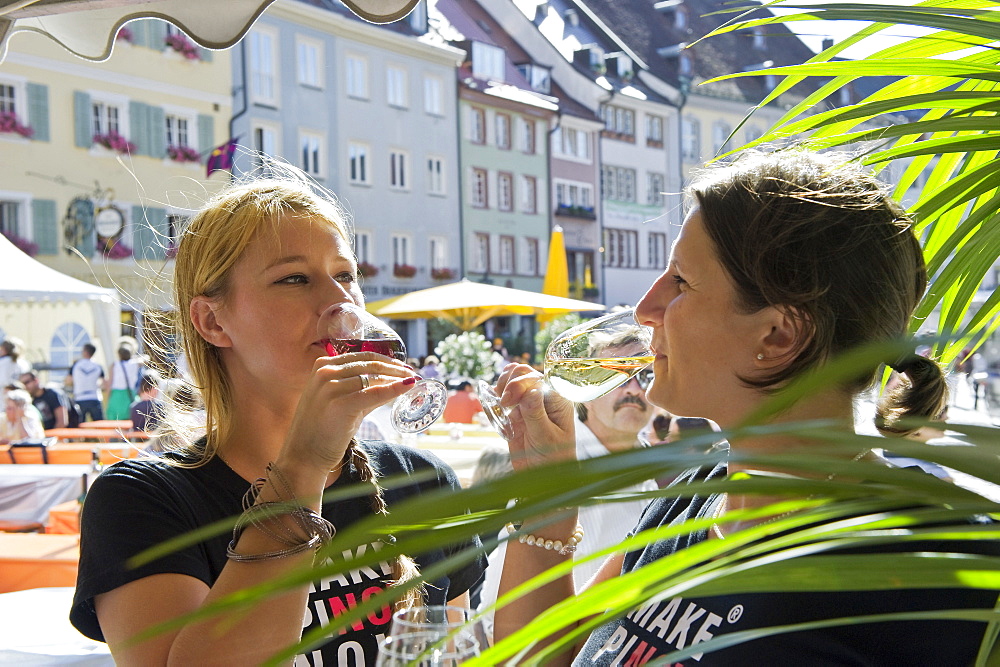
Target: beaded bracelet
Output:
[{"x": 550, "y": 545}]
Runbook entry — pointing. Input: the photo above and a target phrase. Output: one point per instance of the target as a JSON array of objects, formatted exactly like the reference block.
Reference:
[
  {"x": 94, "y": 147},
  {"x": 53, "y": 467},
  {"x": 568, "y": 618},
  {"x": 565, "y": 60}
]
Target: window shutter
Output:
[
  {"x": 38, "y": 111},
  {"x": 156, "y": 34},
  {"x": 46, "y": 235},
  {"x": 206, "y": 55},
  {"x": 82, "y": 133},
  {"x": 206, "y": 133},
  {"x": 140, "y": 32},
  {"x": 138, "y": 122},
  {"x": 157, "y": 131},
  {"x": 149, "y": 229}
]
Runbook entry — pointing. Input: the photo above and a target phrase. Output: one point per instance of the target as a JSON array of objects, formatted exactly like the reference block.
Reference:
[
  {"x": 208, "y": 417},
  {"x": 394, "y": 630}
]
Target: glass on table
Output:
[
  {"x": 347, "y": 327},
  {"x": 439, "y": 635},
  {"x": 585, "y": 362}
]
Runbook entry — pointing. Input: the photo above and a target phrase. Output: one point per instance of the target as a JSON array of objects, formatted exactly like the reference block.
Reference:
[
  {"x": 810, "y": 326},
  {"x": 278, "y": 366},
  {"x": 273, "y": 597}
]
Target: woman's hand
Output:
[
  {"x": 541, "y": 420},
  {"x": 335, "y": 401}
]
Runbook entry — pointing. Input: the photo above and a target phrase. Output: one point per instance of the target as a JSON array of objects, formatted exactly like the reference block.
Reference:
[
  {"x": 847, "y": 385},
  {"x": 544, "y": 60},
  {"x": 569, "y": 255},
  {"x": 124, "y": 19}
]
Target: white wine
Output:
[{"x": 582, "y": 380}]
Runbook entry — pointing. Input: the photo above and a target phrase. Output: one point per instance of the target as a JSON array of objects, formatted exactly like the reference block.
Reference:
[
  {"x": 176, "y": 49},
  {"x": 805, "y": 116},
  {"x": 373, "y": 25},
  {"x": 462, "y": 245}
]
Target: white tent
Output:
[{"x": 28, "y": 282}]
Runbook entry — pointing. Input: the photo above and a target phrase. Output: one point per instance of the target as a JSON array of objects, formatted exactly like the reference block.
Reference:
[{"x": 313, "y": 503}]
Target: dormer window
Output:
[
  {"x": 619, "y": 65},
  {"x": 685, "y": 65},
  {"x": 538, "y": 77},
  {"x": 487, "y": 62},
  {"x": 680, "y": 18},
  {"x": 758, "y": 38}
]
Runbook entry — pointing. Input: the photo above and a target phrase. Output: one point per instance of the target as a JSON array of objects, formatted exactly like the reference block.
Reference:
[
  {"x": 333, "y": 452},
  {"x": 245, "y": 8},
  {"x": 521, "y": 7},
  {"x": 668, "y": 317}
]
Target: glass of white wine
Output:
[{"x": 585, "y": 362}]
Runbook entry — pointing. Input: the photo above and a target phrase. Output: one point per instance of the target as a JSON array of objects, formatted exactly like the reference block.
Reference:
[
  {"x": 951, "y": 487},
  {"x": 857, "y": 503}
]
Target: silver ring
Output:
[{"x": 365, "y": 383}]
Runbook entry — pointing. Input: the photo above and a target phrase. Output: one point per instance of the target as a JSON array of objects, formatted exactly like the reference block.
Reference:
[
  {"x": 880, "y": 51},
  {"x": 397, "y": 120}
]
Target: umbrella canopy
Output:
[
  {"x": 88, "y": 29},
  {"x": 467, "y": 304},
  {"x": 556, "y": 270}
]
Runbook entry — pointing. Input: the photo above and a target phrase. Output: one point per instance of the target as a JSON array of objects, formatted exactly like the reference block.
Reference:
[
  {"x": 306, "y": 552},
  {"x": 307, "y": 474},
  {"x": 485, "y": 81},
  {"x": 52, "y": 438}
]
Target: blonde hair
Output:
[{"x": 209, "y": 248}]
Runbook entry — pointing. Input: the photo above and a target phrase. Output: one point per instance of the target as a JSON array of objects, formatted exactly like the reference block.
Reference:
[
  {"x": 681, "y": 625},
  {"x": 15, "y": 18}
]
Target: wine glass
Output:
[
  {"x": 439, "y": 635},
  {"x": 347, "y": 327},
  {"x": 584, "y": 363}
]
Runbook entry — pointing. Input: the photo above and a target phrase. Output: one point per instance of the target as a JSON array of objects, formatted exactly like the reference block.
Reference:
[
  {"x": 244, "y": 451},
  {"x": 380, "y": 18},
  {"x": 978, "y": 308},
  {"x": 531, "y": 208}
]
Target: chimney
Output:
[{"x": 827, "y": 43}]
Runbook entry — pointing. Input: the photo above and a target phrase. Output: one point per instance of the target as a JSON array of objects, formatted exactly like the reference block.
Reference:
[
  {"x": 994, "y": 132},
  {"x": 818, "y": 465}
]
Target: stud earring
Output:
[{"x": 760, "y": 357}]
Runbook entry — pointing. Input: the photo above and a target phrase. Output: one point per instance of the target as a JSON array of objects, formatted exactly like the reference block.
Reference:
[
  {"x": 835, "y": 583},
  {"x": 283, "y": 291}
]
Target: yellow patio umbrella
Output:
[
  {"x": 556, "y": 270},
  {"x": 467, "y": 304}
]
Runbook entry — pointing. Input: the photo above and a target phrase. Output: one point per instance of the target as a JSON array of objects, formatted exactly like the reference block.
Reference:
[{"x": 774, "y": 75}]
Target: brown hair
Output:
[{"x": 817, "y": 235}]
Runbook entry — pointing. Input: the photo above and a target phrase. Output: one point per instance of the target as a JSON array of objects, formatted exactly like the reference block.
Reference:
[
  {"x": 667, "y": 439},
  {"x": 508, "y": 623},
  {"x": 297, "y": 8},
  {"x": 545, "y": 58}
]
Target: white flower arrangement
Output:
[{"x": 468, "y": 356}]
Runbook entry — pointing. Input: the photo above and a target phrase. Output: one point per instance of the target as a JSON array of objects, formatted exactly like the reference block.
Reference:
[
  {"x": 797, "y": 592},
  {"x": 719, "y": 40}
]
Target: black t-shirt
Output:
[
  {"x": 47, "y": 403},
  {"x": 659, "y": 628},
  {"x": 139, "y": 503}
]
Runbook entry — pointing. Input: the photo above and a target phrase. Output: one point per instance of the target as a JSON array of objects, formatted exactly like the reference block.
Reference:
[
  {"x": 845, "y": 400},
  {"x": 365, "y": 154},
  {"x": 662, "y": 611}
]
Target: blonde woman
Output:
[{"x": 254, "y": 271}]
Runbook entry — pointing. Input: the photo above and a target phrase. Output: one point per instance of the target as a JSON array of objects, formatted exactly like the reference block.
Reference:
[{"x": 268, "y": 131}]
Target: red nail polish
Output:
[{"x": 410, "y": 381}]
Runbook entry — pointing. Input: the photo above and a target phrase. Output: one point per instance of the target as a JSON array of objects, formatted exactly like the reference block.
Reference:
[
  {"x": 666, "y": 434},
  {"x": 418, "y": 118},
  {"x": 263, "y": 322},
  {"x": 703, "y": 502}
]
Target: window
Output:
[
  {"x": 310, "y": 62},
  {"x": 11, "y": 222},
  {"x": 753, "y": 133},
  {"x": 680, "y": 18},
  {"x": 363, "y": 248},
  {"x": 618, "y": 183},
  {"x": 477, "y": 126},
  {"x": 531, "y": 257},
  {"x": 309, "y": 145},
  {"x": 503, "y": 131},
  {"x": 691, "y": 139},
  {"x": 657, "y": 250},
  {"x": 505, "y": 191},
  {"x": 357, "y": 77},
  {"x": 527, "y": 136},
  {"x": 655, "y": 184},
  {"x": 720, "y": 137},
  {"x": 399, "y": 176},
  {"x": 395, "y": 84},
  {"x": 401, "y": 249},
  {"x": 177, "y": 130},
  {"x": 107, "y": 118},
  {"x": 506, "y": 255},
  {"x": 685, "y": 65},
  {"x": 758, "y": 38},
  {"x": 264, "y": 140},
  {"x": 432, "y": 96},
  {"x": 621, "y": 248},
  {"x": 8, "y": 99},
  {"x": 654, "y": 130},
  {"x": 487, "y": 61},
  {"x": 572, "y": 143},
  {"x": 359, "y": 167},
  {"x": 435, "y": 175},
  {"x": 480, "y": 190},
  {"x": 263, "y": 68},
  {"x": 65, "y": 344},
  {"x": 619, "y": 120},
  {"x": 13, "y": 99},
  {"x": 529, "y": 194},
  {"x": 481, "y": 253},
  {"x": 573, "y": 194},
  {"x": 539, "y": 78},
  {"x": 439, "y": 252}
]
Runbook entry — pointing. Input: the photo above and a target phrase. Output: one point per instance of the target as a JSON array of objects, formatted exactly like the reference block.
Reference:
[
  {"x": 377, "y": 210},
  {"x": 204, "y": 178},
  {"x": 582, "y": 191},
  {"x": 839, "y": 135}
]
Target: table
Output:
[
  {"x": 27, "y": 492},
  {"x": 36, "y": 631},
  {"x": 64, "y": 519},
  {"x": 37, "y": 560},
  {"x": 104, "y": 434},
  {"x": 120, "y": 424}
]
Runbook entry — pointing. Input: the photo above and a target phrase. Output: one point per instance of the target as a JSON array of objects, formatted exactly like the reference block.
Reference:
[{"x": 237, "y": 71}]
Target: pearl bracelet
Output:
[{"x": 563, "y": 549}]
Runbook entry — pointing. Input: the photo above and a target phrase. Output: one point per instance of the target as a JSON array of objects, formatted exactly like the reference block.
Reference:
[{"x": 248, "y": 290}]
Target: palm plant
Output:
[{"x": 953, "y": 75}]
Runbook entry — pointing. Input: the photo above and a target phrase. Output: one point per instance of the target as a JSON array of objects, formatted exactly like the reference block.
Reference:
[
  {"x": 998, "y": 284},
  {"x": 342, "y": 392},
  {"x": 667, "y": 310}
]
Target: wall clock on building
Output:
[{"x": 109, "y": 222}]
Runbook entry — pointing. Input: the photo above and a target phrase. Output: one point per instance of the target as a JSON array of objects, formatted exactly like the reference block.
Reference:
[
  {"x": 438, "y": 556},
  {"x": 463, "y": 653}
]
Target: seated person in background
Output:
[
  {"x": 147, "y": 410},
  {"x": 21, "y": 421},
  {"x": 430, "y": 370},
  {"x": 48, "y": 401},
  {"x": 463, "y": 405}
]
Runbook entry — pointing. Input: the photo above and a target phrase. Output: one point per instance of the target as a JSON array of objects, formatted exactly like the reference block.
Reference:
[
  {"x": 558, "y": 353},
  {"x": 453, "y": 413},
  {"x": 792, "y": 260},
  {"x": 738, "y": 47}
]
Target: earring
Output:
[{"x": 760, "y": 357}]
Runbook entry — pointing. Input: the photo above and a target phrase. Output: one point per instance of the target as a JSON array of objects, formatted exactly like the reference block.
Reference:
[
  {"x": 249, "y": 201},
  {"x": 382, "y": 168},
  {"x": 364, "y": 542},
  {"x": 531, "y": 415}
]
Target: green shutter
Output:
[
  {"x": 157, "y": 131},
  {"x": 206, "y": 134},
  {"x": 206, "y": 55},
  {"x": 140, "y": 32},
  {"x": 82, "y": 131},
  {"x": 149, "y": 230},
  {"x": 138, "y": 127},
  {"x": 156, "y": 34},
  {"x": 46, "y": 235},
  {"x": 38, "y": 111}
]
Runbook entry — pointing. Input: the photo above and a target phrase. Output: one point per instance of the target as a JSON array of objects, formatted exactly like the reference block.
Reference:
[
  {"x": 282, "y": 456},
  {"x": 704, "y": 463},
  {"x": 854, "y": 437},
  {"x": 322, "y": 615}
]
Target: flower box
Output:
[
  {"x": 442, "y": 274},
  {"x": 654, "y": 143},
  {"x": 115, "y": 142},
  {"x": 367, "y": 270},
  {"x": 404, "y": 270},
  {"x": 586, "y": 212},
  {"x": 113, "y": 248},
  {"x": 24, "y": 245},
  {"x": 10, "y": 124},
  {"x": 184, "y": 46},
  {"x": 183, "y": 154}
]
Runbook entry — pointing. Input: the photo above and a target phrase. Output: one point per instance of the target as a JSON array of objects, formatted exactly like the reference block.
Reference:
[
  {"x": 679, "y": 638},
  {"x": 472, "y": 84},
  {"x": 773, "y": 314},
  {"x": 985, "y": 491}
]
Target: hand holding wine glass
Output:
[{"x": 348, "y": 327}]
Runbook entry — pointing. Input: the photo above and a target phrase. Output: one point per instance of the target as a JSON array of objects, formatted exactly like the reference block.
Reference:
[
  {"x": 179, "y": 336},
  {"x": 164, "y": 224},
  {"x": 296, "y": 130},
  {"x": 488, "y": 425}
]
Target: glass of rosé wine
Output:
[{"x": 348, "y": 327}]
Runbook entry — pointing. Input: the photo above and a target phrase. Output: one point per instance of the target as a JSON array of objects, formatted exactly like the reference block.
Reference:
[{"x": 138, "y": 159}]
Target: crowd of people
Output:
[{"x": 772, "y": 276}]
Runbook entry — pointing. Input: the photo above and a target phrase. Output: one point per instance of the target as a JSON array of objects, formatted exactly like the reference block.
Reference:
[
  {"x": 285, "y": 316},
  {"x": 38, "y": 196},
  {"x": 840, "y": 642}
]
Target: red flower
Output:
[
  {"x": 9, "y": 123},
  {"x": 404, "y": 270},
  {"x": 114, "y": 141}
]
